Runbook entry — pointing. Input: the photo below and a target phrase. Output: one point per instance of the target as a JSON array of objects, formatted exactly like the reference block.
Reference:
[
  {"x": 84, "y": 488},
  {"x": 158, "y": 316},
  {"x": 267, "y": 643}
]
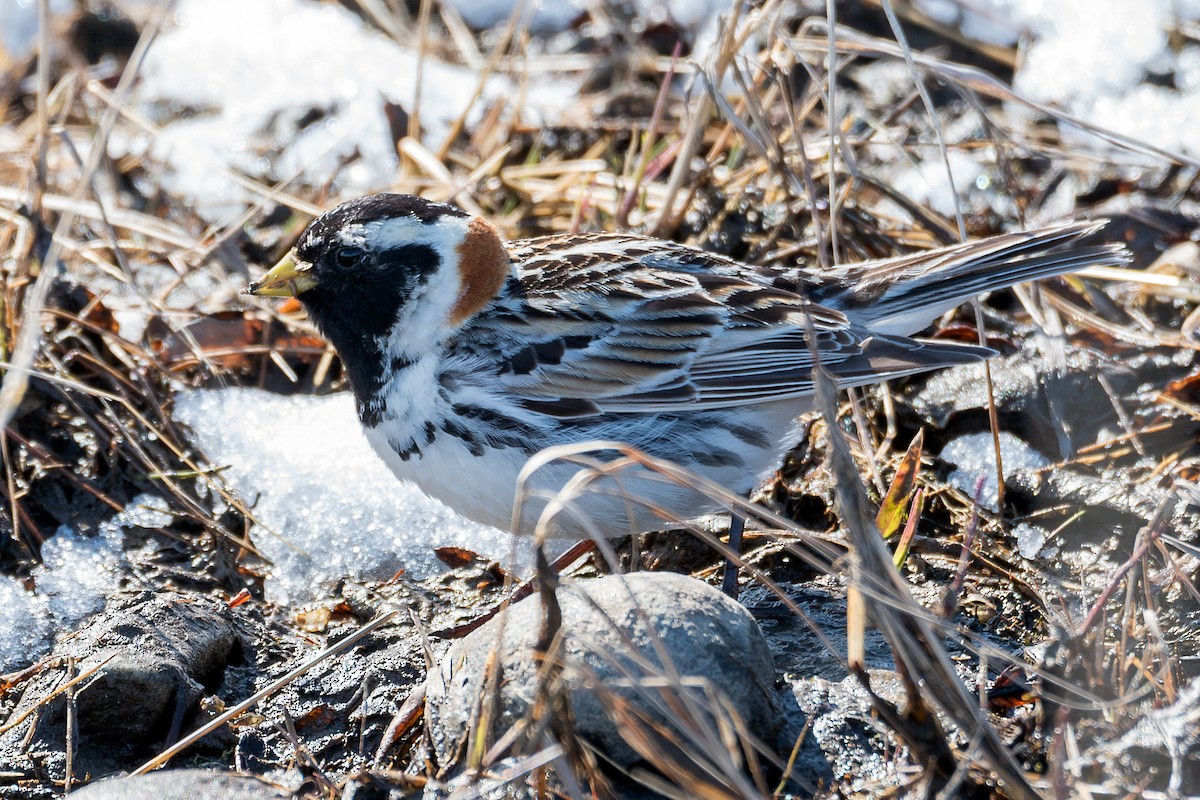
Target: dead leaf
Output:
[
  {"x": 456, "y": 557},
  {"x": 891, "y": 510}
]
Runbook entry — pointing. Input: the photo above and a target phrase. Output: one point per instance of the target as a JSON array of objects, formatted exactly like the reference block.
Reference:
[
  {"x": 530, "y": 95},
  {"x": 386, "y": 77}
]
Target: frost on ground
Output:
[
  {"x": 76, "y": 574},
  {"x": 975, "y": 457},
  {"x": 332, "y": 508}
]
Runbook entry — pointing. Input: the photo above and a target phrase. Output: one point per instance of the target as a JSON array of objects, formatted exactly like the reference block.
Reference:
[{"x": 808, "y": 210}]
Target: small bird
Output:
[{"x": 467, "y": 354}]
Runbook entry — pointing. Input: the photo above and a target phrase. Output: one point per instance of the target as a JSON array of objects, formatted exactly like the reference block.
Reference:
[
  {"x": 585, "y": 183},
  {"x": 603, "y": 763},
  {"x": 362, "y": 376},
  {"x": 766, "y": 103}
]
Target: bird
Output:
[{"x": 468, "y": 354}]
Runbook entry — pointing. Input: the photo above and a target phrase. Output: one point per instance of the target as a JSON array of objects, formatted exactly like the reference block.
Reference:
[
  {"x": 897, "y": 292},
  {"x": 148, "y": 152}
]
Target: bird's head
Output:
[{"x": 391, "y": 266}]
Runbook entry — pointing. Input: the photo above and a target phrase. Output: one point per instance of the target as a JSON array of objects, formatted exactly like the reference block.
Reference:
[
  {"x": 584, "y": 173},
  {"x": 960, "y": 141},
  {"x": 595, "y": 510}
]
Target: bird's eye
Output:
[{"x": 349, "y": 256}]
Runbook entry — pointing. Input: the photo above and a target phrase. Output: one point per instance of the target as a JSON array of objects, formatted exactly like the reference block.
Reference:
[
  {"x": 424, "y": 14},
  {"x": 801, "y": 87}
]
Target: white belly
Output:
[
  {"x": 478, "y": 487},
  {"x": 483, "y": 487}
]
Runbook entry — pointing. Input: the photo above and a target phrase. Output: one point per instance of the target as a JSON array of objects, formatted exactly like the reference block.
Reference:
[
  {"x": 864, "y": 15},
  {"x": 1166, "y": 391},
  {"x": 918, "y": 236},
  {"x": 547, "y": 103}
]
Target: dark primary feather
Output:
[{"x": 873, "y": 291}]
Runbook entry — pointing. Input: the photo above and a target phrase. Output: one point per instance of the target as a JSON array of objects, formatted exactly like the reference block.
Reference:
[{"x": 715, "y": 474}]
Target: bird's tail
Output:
[{"x": 905, "y": 294}]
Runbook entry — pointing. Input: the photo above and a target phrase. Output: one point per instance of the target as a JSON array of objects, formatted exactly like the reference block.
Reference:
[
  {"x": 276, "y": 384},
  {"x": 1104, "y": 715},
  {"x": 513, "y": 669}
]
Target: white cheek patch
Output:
[{"x": 421, "y": 325}]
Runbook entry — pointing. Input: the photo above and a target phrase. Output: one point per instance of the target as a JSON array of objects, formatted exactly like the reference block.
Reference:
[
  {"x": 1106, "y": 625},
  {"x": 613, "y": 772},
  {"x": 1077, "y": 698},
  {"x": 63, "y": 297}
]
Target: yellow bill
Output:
[{"x": 288, "y": 278}]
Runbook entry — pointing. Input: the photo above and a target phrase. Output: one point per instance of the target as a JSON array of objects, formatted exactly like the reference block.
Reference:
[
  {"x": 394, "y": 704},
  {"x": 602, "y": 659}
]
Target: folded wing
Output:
[{"x": 613, "y": 324}]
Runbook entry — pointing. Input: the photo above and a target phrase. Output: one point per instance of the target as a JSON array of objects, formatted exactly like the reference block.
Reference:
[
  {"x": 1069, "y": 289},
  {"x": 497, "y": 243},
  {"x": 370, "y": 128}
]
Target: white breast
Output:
[
  {"x": 481, "y": 485},
  {"x": 480, "y": 488}
]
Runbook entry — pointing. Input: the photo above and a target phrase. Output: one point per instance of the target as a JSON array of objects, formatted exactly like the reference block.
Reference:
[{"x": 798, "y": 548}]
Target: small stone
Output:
[
  {"x": 183, "y": 784},
  {"x": 153, "y": 657},
  {"x": 619, "y": 631},
  {"x": 158, "y": 659}
]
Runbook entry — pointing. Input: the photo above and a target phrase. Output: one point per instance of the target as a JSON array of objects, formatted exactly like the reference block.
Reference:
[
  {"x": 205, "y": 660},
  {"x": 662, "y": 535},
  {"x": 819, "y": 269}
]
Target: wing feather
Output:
[{"x": 609, "y": 323}]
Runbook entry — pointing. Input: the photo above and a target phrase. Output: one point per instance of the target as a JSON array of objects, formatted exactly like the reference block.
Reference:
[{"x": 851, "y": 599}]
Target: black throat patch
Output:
[{"x": 356, "y": 311}]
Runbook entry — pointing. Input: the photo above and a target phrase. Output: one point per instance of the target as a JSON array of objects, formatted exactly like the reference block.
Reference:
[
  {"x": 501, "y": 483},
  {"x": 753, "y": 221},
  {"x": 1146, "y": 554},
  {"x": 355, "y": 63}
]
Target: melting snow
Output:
[
  {"x": 334, "y": 508},
  {"x": 1091, "y": 58},
  {"x": 302, "y": 81},
  {"x": 557, "y": 15},
  {"x": 975, "y": 458},
  {"x": 1031, "y": 540},
  {"x": 76, "y": 574},
  {"x": 19, "y": 24}
]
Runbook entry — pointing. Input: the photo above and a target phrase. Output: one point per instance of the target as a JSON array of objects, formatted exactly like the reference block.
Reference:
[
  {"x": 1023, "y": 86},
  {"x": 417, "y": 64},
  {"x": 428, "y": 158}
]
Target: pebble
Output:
[
  {"x": 182, "y": 784},
  {"x": 623, "y": 633}
]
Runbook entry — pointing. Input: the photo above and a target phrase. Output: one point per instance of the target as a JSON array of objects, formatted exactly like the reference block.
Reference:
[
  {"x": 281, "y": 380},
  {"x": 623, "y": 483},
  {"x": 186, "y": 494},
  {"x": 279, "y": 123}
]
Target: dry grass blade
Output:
[
  {"x": 647, "y": 149},
  {"x": 683, "y": 771},
  {"x": 13, "y": 389},
  {"x": 722, "y": 57},
  {"x": 916, "y": 645},
  {"x": 934, "y": 119},
  {"x": 815, "y": 549},
  {"x": 518, "y": 21},
  {"x": 891, "y": 511},
  {"x": 910, "y": 529},
  {"x": 851, "y": 42},
  {"x": 65, "y": 687},
  {"x": 831, "y": 121}
]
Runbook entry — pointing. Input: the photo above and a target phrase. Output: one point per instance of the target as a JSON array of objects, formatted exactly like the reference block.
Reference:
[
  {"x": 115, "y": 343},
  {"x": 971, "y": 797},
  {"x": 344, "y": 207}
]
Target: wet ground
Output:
[{"x": 161, "y": 563}]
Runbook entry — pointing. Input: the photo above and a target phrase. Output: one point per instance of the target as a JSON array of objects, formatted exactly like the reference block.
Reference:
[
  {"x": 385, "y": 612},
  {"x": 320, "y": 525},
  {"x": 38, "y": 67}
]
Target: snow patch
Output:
[
  {"x": 975, "y": 457},
  {"x": 550, "y": 16},
  {"x": 292, "y": 90},
  {"x": 77, "y": 573},
  {"x": 1091, "y": 58},
  {"x": 333, "y": 509},
  {"x": 1031, "y": 540}
]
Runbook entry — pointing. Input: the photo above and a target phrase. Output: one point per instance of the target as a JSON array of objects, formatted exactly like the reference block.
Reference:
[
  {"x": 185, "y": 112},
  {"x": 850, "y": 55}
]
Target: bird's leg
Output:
[{"x": 729, "y": 584}]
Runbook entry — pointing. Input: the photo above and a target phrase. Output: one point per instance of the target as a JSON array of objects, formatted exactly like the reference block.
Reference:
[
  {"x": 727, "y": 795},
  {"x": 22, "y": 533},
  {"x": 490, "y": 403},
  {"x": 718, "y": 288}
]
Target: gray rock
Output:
[
  {"x": 618, "y": 631},
  {"x": 154, "y": 656},
  {"x": 182, "y": 784},
  {"x": 159, "y": 656},
  {"x": 1053, "y": 409}
]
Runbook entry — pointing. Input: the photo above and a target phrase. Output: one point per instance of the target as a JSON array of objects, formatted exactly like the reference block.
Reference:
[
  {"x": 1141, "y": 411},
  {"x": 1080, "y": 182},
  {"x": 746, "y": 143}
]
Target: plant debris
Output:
[{"x": 1042, "y": 643}]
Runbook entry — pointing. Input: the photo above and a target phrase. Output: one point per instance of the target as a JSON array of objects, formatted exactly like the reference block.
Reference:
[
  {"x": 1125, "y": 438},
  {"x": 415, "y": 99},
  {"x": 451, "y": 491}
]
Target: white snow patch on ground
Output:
[
  {"x": 19, "y": 24},
  {"x": 335, "y": 510},
  {"x": 994, "y": 21},
  {"x": 555, "y": 15},
  {"x": 699, "y": 17},
  {"x": 975, "y": 457},
  {"x": 929, "y": 184},
  {"x": 76, "y": 574},
  {"x": 25, "y": 628},
  {"x": 1031, "y": 540},
  {"x": 228, "y": 95},
  {"x": 1091, "y": 58}
]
